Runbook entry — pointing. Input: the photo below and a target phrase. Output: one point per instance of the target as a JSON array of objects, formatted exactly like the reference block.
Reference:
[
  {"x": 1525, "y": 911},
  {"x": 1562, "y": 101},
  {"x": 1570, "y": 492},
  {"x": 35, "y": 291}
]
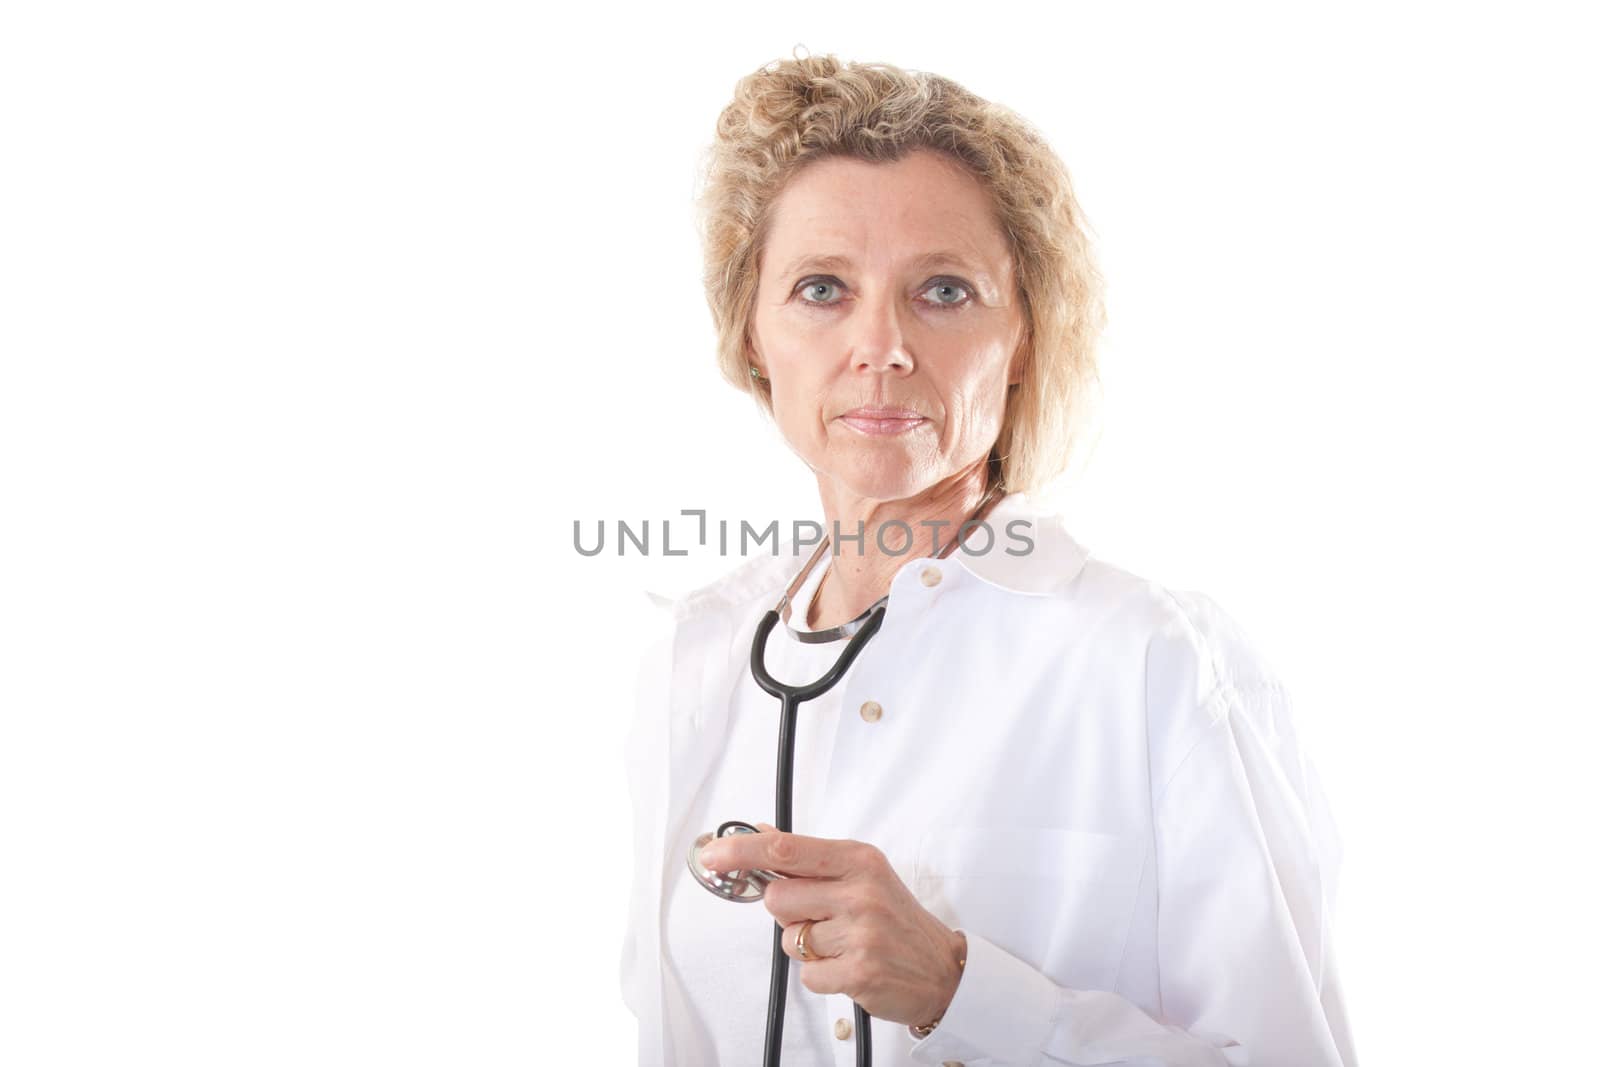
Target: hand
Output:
[{"x": 871, "y": 939}]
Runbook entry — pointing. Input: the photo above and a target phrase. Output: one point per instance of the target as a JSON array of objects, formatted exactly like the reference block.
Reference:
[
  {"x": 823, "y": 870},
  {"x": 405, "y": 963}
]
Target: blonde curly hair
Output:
[{"x": 794, "y": 111}]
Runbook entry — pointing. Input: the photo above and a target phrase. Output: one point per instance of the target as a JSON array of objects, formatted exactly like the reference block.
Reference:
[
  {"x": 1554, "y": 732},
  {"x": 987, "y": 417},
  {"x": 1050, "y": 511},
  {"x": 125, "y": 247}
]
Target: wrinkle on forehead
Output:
[{"x": 838, "y": 206}]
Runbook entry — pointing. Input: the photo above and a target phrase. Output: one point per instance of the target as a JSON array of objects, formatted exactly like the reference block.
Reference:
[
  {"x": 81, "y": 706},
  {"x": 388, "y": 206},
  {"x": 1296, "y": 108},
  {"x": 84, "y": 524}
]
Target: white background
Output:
[{"x": 322, "y": 322}]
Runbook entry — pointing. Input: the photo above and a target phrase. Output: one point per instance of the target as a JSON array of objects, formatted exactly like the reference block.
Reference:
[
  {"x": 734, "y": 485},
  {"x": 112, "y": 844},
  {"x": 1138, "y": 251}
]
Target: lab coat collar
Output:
[{"x": 1048, "y": 568}]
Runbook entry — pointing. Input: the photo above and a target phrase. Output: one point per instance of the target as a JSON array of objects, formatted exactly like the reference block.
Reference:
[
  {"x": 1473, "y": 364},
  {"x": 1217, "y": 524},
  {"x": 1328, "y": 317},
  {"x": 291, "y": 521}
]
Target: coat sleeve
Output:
[
  {"x": 645, "y": 743},
  {"x": 1247, "y": 860}
]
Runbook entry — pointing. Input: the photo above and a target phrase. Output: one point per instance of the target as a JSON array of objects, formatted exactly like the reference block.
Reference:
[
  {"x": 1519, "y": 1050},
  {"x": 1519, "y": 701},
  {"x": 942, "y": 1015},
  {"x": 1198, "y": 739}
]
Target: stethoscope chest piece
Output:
[{"x": 742, "y": 887}]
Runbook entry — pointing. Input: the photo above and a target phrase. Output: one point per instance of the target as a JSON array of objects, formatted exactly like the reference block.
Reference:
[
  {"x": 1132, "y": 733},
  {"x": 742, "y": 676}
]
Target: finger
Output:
[
  {"x": 792, "y": 854},
  {"x": 824, "y": 940},
  {"x": 830, "y": 975},
  {"x": 789, "y": 900}
]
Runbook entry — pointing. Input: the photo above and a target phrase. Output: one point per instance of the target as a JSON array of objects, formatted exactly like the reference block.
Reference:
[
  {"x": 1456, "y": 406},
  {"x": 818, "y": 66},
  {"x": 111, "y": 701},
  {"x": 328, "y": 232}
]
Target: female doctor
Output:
[{"x": 1053, "y": 812}]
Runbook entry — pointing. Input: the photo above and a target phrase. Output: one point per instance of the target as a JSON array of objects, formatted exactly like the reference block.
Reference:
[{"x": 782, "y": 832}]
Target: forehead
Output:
[{"x": 885, "y": 212}]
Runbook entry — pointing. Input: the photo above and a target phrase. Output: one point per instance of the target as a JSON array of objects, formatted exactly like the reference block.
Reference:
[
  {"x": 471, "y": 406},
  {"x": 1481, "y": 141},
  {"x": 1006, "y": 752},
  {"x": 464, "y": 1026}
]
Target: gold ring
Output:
[{"x": 800, "y": 939}]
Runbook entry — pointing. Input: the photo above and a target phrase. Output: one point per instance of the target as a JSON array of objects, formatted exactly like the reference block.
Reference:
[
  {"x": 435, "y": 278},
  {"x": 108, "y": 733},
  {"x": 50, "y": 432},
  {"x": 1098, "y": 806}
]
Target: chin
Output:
[{"x": 880, "y": 480}]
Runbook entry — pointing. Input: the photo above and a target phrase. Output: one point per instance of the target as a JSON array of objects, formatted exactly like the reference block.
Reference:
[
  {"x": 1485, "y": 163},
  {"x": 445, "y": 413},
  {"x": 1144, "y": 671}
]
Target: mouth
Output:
[{"x": 881, "y": 421}]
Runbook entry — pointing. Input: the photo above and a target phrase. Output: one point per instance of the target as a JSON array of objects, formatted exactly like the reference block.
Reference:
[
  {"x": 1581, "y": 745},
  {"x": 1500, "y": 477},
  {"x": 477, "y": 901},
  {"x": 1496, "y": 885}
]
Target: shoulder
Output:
[
  {"x": 1118, "y": 611},
  {"x": 694, "y": 637},
  {"x": 705, "y": 618},
  {"x": 745, "y": 582},
  {"x": 1197, "y": 664},
  {"x": 1178, "y": 628}
]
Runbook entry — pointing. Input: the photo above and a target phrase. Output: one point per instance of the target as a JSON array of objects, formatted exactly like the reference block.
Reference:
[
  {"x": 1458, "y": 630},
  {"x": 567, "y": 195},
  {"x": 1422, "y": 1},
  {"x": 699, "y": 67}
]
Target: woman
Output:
[{"x": 1054, "y": 812}]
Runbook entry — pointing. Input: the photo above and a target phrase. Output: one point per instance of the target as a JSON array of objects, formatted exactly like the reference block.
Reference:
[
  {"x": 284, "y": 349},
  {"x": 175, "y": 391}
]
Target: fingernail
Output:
[{"x": 708, "y": 856}]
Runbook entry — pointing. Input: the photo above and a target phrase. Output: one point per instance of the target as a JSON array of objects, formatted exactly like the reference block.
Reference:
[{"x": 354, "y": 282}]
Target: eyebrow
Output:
[{"x": 926, "y": 261}]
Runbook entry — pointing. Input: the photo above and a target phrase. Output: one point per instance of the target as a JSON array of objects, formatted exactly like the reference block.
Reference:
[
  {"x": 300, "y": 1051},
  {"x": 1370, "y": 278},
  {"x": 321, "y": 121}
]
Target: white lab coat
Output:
[{"x": 1095, "y": 778}]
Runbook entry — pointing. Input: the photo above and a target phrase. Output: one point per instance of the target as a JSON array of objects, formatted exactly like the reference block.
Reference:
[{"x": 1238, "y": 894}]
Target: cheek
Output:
[
  {"x": 799, "y": 403},
  {"x": 977, "y": 398},
  {"x": 800, "y": 379}
]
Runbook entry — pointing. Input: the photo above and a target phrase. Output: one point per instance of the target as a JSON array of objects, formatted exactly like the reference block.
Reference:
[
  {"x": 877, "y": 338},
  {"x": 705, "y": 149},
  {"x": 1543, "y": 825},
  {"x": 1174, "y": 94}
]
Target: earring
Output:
[{"x": 755, "y": 372}]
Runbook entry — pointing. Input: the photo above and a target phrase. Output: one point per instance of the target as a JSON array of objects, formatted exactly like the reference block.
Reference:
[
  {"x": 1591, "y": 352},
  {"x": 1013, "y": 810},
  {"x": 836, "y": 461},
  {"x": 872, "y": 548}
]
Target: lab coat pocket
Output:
[{"x": 1058, "y": 899}]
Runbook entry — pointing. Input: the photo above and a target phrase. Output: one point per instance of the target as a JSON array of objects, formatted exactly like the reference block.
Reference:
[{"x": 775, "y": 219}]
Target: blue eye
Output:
[
  {"x": 950, "y": 294},
  {"x": 948, "y": 286},
  {"x": 812, "y": 285}
]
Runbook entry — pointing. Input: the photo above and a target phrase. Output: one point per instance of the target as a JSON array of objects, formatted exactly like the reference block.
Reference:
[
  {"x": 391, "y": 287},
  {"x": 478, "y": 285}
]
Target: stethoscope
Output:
[{"x": 747, "y": 886}]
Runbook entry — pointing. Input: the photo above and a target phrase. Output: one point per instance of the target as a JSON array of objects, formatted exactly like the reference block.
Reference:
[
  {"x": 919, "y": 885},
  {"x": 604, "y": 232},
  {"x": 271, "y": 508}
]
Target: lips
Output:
[{"x": 878, "y": 421}]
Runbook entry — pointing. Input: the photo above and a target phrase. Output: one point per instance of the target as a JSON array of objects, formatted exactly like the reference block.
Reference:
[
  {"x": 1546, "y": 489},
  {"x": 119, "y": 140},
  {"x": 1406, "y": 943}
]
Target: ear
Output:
[{"x": 1019, "y": 362}]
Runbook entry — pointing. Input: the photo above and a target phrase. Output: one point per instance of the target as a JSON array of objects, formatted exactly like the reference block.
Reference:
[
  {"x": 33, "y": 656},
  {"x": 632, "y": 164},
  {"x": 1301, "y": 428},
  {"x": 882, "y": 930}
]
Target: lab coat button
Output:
[
  {"x": 872, "y": 711},
  {"x": 931, "y": 577},
  {"x": 841, "y": 1029}
]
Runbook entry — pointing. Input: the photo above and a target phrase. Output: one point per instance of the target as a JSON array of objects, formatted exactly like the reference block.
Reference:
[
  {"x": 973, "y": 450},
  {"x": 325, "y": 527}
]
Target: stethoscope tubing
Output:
[{"x": 792, "y": 697}]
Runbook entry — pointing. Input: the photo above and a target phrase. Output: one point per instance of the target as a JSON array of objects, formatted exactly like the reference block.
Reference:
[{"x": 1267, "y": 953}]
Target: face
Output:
[{"x": 888, "y": 323}]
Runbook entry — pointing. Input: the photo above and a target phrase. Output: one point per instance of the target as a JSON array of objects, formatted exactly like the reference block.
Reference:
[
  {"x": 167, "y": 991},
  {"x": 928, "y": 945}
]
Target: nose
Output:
[{"x": 877, "y": 342}]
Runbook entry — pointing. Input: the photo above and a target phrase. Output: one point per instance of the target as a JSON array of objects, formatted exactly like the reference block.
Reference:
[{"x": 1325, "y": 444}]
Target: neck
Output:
[{"x": 860, "y": 571}]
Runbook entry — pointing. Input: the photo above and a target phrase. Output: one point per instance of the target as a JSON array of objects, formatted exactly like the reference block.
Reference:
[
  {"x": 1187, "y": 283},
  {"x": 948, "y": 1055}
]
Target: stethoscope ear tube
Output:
[
  {"x": 795, "y": 695},
  {"x": 746, "y": 886}
]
